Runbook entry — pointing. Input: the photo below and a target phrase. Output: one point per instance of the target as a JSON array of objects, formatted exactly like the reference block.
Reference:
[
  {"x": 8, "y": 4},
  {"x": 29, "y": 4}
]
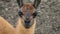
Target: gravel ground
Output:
[{"x": 48, "y": 19}]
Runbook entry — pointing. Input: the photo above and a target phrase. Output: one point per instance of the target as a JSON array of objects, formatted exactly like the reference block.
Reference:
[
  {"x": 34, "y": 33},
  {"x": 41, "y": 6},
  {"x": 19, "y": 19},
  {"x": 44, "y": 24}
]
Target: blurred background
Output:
[{"x": 48, "y": 19}]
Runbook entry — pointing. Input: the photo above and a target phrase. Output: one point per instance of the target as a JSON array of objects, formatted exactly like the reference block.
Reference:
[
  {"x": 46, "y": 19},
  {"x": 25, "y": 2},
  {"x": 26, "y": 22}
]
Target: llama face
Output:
[{"x": 27, "y": 13}]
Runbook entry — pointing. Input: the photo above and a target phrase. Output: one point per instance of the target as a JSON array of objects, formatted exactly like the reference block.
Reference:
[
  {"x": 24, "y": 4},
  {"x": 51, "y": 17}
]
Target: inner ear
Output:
[
  {"x": 36, "y": 3},
  {"x": 20, "y": 3}
]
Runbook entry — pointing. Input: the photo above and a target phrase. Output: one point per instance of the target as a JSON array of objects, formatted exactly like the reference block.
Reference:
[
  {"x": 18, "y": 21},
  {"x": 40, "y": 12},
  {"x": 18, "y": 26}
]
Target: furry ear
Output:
[
  {"x": 36, "y": 3},
  {"x": 20, "y": 3}
]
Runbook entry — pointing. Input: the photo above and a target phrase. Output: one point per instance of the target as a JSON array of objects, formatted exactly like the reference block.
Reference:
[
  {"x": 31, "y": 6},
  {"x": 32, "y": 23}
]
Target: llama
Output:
[
  {"x": 5, "y": 27},
  {"x": 27, "y": 21}
]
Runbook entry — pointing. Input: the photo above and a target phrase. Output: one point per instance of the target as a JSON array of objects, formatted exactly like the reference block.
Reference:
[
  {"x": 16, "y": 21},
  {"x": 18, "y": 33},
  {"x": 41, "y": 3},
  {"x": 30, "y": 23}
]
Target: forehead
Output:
[{"x": 27, "y": 8}]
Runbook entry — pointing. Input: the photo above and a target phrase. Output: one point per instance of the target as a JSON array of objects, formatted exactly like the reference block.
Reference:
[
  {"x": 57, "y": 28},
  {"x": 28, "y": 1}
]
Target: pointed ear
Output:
[
  {"x": 36, "y": 3},
  {"x": 20, "y": 3}
]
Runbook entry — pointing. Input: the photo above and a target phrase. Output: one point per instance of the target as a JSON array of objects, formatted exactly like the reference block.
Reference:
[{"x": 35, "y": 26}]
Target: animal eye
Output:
[
  {"x": 34, "y": 14},
  {"x": 20, "y": 13}
]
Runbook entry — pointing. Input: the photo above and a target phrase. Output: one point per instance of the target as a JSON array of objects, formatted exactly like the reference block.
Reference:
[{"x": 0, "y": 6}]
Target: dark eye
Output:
[
  {"x": 20, "y": 13},
  {"x": 34, "y": 14}
]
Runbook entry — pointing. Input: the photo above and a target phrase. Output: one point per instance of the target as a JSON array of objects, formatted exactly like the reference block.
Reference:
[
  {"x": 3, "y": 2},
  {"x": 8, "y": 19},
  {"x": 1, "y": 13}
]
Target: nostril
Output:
[{"x": 27, "y": 21}]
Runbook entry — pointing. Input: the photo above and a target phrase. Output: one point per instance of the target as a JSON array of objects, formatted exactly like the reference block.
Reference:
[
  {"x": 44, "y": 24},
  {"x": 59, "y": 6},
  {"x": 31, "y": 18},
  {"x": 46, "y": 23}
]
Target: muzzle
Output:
[{"x": 27, "y": 24}]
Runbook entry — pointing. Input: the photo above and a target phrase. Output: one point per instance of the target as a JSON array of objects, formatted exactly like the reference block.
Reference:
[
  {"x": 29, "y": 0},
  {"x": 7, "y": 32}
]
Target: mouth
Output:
[{"x": 27, "y": 24}]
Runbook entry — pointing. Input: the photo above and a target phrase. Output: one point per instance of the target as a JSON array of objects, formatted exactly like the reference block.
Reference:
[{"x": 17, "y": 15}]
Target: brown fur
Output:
[
  {"x": 5, "y": 27},
  {"x": 20, "y": 29},
  {"x": 28, "y": 7}
]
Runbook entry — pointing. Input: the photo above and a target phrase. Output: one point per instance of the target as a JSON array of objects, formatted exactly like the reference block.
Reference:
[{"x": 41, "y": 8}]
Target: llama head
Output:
[{"x": 28, "y": 12}]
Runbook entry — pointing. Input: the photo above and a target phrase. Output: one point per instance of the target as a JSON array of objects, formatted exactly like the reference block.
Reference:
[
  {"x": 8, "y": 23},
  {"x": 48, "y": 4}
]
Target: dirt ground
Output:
[{"x": 48, "y": 19}]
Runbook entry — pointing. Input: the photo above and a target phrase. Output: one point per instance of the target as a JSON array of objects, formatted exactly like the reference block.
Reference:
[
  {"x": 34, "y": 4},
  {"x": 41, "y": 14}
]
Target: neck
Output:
[{"x": 20, "y": 29}]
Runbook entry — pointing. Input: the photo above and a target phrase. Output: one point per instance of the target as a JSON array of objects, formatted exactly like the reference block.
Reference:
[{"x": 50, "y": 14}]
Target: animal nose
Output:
[{"x": 27, "y": 18}]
